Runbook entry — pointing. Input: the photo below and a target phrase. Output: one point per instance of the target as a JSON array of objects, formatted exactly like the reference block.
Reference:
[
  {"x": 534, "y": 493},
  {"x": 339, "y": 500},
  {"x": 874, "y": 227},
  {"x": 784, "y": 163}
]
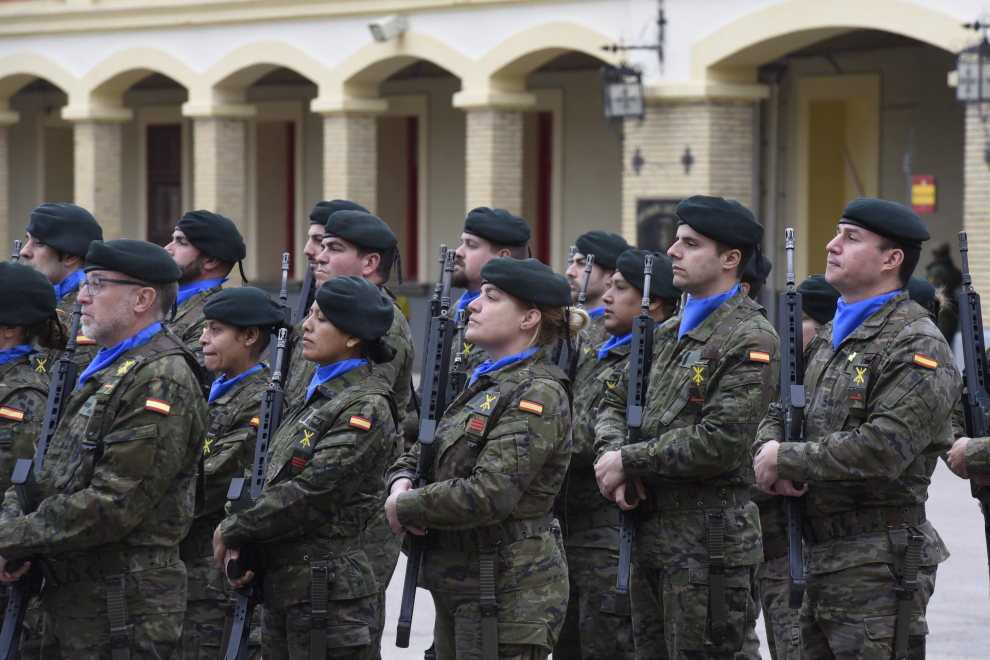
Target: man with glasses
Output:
[{"x": 118, "y": 483}]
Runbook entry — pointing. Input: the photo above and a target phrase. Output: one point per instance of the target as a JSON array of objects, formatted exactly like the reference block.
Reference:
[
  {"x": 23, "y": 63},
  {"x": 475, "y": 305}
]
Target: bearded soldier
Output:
[{"x": 606, "y": 249}]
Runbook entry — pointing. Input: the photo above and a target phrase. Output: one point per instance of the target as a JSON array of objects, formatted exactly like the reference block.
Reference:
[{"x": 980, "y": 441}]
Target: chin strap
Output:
[
  {"x": 240, "y": 266},
  {"x": 760, "y": 275},
  {"x": 398, "y": 263}
]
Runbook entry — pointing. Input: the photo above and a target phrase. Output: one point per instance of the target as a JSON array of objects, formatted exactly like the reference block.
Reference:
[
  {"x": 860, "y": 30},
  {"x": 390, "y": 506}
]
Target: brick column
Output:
[
  {"x": 976, "y": 196},
  {"x": 220, "y": 167},
  {"x": 350, "y": 157},
  {"x": 98, "y": 172}
]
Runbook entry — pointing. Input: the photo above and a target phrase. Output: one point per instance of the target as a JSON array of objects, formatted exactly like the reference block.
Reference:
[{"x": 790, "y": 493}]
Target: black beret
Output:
[
  {"x": 213, "y": 235},
  {"x": 605, "y": 247},
  {"x": 497, "y": 226},
  {"x": 66, "y": 227},
  {"x": 323, "y": 210},
  {"x": 921, "y": 291},
  {"x": 818, "y": 298},
  {"x": 356, "y": 306},
  {"x": 749, "y": 275},
  {"x": 138, "y": 259},
  {"x": 361, "y": 228},
  {"x": 631, "y": 264},
  {"x": 529, "y": 280},
  {"x": 243, "y": 306},
  {"x": 723, "y": 220},
  {"x": 888, "y": 219},
  {"x": 26, "y": 297}
]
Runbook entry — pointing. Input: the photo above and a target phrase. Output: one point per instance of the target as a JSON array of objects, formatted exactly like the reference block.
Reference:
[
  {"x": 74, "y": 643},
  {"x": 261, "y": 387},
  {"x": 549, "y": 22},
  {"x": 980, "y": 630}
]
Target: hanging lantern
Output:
[{"x": 623, "y": 92}]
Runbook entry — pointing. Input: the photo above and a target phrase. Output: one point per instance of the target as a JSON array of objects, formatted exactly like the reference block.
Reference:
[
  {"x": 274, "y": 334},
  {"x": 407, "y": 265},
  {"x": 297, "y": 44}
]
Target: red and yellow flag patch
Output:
[
  {"x": 83, "y": 339},
  {"x": 158, "y": 406},
  {"x": 925, "y": 361},
  {"x": 360, "y": 422},
  {"x": 531, "y": 406},
  {"x": 255, "y": 421},
  {"x": 11, "y": 413},
  {"x": 759, "y": 356}
]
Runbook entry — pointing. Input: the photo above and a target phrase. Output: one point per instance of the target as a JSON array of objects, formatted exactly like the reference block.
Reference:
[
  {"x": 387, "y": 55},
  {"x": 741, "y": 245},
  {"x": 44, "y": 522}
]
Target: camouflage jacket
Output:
[
  {"x": 581, "y": 505},
  {"x": 190, "y": 321},
  {"x": 910, "y": 385},
  {"x": 23, "y": 399},
  {"x": 594, "y": 335},
  {"x": 86, "y": 348},
  {"x": 120, "y": 472},
  {"x": 340, "y": 443},
  {"x": 731, "y": 360}
]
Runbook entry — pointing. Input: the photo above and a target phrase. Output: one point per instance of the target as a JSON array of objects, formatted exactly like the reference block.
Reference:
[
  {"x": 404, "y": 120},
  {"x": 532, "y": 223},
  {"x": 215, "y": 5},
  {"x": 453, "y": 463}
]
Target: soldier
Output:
[
  {"x": 752, "y": 282},
  {"x": 502, "y": 450},
  {"x": 206, "y": 246},
  {"x": 944, "y": 275},
  {"x": 488, "y": 234},
  {"x": 606, "y": 248},
  {"x": 117, "y": 487},
  {"x": 324, "y": 482},
  {"x": 818, "y": 302},
  {"x": 881, "y": 385},
  {"x": 239, "y": 323},
  {"x": 58, "y": 238},
  {"x": 590, "y": 522},
  {"x": 715, "y": 370}
]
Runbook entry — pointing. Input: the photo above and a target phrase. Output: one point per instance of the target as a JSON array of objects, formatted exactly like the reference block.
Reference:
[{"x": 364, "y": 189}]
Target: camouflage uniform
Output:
[
  {"x": 227, "y": 453},
  {"x": 324, "y": 483},
  {"x": 116, "y": 496},
  {"x": 501, "y": 452},
  {"x": 772, "y": 578},
  {"x": 472, "y": 356},
  {"x": 190, "y": 321},
  {"x": 591, "y": 524},
  {"x": 695, "y": 464},
  {"x": 868, "y": 476}
]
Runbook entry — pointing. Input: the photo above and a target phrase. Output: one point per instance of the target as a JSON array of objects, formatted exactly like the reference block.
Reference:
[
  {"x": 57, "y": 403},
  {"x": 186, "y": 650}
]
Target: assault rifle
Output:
[
  {"x": 237, "y": 627},
  {"x": 458, "y": 377},
  {"x": 639, "y": 376},
  {"x": 306, "y": 295},
  {"x": 17, "y": 252},
  {"x": 283, "y": 301},
  {"x": 792, "y": 402},
  {"x": 975, "y": 399},
  {"x": 434, "y": 306},
  {"x": 26, "y": 472},
  {"x": 436, "y": 381}
]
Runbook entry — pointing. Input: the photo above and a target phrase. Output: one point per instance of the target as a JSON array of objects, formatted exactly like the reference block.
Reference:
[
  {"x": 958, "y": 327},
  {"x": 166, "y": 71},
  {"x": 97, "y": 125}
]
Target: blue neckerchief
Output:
[
  {"x": 187, "y": 291},
  {"x": 848, "y": 317},
  {"x": 696, "y": 310},
  {"x": 614, "y": 342},
  {"x": 221, "y": 385},
  {"x": 12, "y": 354},
  {"x": 466, "y": 299},
  {"x": 108, "y": 356},
  {"x": 69, "y": 284},
  {"x": 504, "y": 362},
  {"x": 331, "y": 371},
  {"x": 595, "y": 313}
]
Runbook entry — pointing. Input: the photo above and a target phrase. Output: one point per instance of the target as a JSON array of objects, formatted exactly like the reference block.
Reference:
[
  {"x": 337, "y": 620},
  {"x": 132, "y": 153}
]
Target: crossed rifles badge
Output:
[
  {"x": 484, "y": 402},
  {"x": 860, "y": 373},
  {"x": 699, "y": 375}
]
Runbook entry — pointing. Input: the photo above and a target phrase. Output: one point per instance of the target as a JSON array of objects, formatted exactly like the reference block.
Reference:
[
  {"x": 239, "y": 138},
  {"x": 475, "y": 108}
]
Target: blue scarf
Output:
[
  {"x": 331, "y": 371},
  {"x": 221, "y": 385},
  {"x": 12, "y": 354},
  {"x": 69, "y": 284},
  {"x": 466, "y": 299},
  {"x": 851, "y": 316},
  {"x": 595, "y": 313},
  {"x": 108, "y": 356},
  {"x": 504, "y": 362},
  {"x": 614, "y": 342},
  {"x": 696, "y": 310},
  {"x": 187, "y": 291}
]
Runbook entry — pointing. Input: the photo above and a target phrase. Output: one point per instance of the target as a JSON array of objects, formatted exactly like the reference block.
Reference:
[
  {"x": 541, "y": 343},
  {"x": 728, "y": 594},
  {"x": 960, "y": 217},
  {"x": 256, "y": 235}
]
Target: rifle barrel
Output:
[{"x": 583, "y": 296}]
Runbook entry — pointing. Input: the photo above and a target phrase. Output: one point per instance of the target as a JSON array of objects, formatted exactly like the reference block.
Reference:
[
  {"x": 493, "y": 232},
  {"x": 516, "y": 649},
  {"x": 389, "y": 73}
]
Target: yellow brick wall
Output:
[
  {"x": 98, "y": 187},
  {"x": 494, "y": 159},
  {"x": 350, "y": 158},
  {"x": 220, "y": 167},
  {"x": 976, "y": 201}
]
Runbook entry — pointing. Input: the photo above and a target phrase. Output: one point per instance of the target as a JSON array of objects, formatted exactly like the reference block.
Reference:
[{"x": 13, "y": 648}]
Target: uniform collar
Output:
[
  {"x": 331, "y": 371},
  {"x": 489, "y": 367},
  {"x": 108, "y": 356},
  {"x": 706, "y": 328},
  {"x": 872, "y": 323},
  {"x": 187, "y": 291},
  {"x": 849, "y": 317},
  {"x": 222, "y": 389},
  {"x": 12, "y": 354},
  {"x": 596, "y": 312},
  {"x": 69, "y": 284},
  {"x": 620, "y": 345}
]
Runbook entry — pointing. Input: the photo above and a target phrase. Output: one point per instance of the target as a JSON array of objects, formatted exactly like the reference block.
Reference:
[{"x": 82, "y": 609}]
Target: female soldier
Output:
[
  {"x": 239, "y": 322},
  {"x": 502, "y": 449},
  {"x": 325, "y": 479}
]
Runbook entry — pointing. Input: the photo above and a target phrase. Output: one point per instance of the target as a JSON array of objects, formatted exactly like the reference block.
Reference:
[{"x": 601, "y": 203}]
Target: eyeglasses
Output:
[{"x": 95, "y": 285}]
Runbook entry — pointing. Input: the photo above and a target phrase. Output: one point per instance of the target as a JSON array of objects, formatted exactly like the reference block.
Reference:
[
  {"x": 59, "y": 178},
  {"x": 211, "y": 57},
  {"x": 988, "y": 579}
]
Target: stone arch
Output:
[
  {"x": 21, "y": 69},
  {"x": 227, "y": 79}
]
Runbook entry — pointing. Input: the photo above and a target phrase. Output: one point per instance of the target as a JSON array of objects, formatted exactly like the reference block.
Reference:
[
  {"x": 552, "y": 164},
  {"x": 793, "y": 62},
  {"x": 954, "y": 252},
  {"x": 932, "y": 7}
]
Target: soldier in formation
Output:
[{"x": 605, "y": 248}]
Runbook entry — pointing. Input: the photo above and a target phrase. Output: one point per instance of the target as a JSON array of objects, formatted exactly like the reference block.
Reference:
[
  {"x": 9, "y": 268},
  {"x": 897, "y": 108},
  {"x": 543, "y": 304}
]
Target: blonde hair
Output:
[{"x": 551, "y": 326}]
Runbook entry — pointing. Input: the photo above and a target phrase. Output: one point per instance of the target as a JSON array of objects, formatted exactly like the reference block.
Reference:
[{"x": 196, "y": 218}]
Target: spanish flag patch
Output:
[
  {"x": 360, "y": 422},
  {"x": 11, "y": 413},
  {"x": 83, "y": 339},
  {"x": 759, "y": 356},
  {"x": 158, "y": 406},
  {"x": 254, "y": 421},
  {"x": 531, "y": 406},
  {"x": 925, "y": 361}
]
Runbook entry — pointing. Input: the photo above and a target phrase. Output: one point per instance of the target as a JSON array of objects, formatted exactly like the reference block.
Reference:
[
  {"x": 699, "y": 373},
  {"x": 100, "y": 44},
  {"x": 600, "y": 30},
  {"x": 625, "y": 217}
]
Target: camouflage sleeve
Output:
[
  {"x": 403, "y": 468},
  {"x": 231, "y": 455},
  {"x": 771, "y": 428},
  {"x": 143, "y": 452},
  {"x": 18, "y": 438},
  {"x": 344, "y": 457},
  {"x": 518, "y": 446},
  {"x": 910, "y": 405},
  {"x": 610, "y": 427}
]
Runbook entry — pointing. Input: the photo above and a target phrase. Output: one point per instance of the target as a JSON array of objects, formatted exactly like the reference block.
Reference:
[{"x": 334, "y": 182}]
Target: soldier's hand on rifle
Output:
[
  {"x": 16, "y": 575},
  {"x": 400, "y": 486},
  {"x": 619, "y": 494},
  {"x": 608, "y": 471},
  {"x": 956, "y": 458},
  {"x": 766, "y": 466}
]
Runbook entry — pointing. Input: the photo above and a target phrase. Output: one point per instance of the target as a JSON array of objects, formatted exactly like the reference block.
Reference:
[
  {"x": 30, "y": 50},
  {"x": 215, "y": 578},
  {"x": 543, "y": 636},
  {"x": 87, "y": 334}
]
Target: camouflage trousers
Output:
[
  {"x": 591, "y": 627},
  {"x": 781, "y": 621},
  {"x": 206, "y": 613},
  {"x": 672, "y": 616},
  {"x": 286, "y": 632},
  {"x": 850, "y": 614},
  {"x": 153, "y": 636}
]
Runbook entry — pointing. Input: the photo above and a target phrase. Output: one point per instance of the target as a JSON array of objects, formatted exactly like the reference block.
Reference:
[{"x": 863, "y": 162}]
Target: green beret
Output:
[
  {"x": 818, "y": 298},
  {"x": 243, "y": 306},
  {"x": 529, "y": 280},
  {"x": 631, "y": 264},
  {"x": 497, "y": 226},
  {"x": 921, "y": 291},
  {"x": 213, "y": 235},
  {"x": 66, "y": 227},
  {"x": 26, "y": 297},
  {"x": 749, "y": 275},
  {"x": 323, "y": 210},
  {"x": 888, "y": 219},
  {"x": 356, "y": 306},
  {"x": 362, "y": 229},
  {"x": 723, "y": 220},
  {"x": 605, "y": 247},
  {"x": 141, "y": 260}
]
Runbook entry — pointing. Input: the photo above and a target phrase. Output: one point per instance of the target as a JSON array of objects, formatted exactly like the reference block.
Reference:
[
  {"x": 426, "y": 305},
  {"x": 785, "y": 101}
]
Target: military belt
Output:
[
  {"x": 108, "y": 563},
  {"x": 863, "y": 521},
  {"x": 609, "y": 516},
  {"x": 509, "y": 531},
  {"x": 306, "y": 552},
  {"x": 686, "y": 499}
]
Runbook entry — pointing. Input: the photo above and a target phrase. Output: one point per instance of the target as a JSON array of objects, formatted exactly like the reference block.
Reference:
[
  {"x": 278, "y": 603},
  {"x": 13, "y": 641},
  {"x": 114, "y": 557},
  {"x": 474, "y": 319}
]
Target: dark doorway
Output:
[
  {"x": 537, "y": 175},
  {"x": 164, "y": 181},
  {"x": 276, "y": 196},
  {"x": 398, "y": 186}
]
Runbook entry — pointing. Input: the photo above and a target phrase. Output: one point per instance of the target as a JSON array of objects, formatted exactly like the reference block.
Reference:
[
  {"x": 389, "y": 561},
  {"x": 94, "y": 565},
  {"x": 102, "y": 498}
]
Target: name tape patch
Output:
[
  {"x": 158, "y": 406},
  {"x": 925, "y": 361},
  {"x": 531, "y": 406},
  {"x": 12, "y": 413},
  {"x": 360, "y": 422},
  {"x": 759, "y": 356}
]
